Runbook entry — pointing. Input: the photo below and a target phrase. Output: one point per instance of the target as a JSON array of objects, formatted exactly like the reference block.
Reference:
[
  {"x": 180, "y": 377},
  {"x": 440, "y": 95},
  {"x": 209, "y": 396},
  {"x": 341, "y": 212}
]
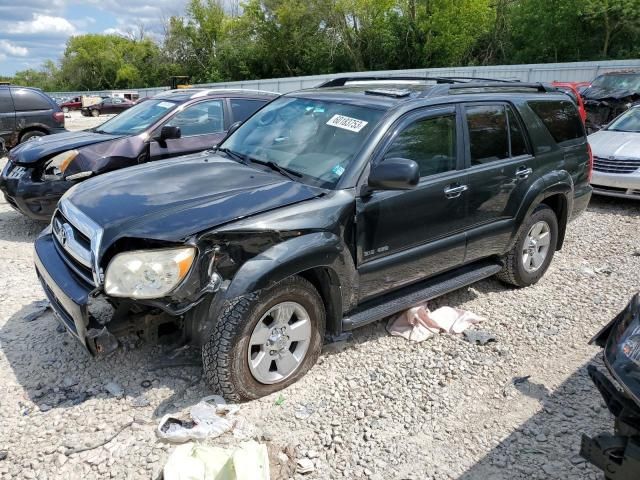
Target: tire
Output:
[
  {"x": 31, "y": 134},
  {"x": 226, "y": 355},
  {"x": 65, "y": 109},
  {"x": 515, "y": 272},
  {"x": 95, "y": 113}
]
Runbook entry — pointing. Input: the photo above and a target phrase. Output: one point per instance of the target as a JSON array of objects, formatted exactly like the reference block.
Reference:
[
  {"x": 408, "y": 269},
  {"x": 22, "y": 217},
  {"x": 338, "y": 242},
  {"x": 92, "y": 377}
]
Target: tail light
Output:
[
  {"x": 58, "y": 117},
  {"x": 590, "y": 164}
]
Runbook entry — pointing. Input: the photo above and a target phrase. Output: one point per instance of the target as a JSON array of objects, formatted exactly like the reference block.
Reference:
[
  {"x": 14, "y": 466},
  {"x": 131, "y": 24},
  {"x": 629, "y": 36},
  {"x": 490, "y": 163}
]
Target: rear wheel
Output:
[
  {"x": 265, "y": 341},
  {"x": 533, "y": 251},
  {"x": 95, "y": 113},
  {"x": 31, "y": 134}
]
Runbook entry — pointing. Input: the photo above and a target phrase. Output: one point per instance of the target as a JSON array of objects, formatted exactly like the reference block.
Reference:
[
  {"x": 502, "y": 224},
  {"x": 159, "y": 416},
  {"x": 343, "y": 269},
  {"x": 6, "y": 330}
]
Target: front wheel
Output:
[
  {"x": 533, "y": 251},
  {"x": 265, "y": 341}
]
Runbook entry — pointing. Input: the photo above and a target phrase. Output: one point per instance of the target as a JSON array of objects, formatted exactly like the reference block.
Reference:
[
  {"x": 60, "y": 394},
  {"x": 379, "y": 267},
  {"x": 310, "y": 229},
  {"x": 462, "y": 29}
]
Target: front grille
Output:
[
  {"x": 73, "y": 246},
  {"x": 615, "y": 165}
]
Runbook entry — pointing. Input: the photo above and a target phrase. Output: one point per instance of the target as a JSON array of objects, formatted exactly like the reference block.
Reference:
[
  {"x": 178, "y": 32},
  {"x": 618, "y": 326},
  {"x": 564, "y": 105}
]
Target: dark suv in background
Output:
[
  {"x": 27, "y": 113},
  {"x": 326, "y": 210}
]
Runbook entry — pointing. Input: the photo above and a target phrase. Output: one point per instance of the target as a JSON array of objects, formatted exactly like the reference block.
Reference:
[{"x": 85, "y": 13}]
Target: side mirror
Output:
[
  {"x": 170, "y": 133},
  {"x": 394, "y": 174}
]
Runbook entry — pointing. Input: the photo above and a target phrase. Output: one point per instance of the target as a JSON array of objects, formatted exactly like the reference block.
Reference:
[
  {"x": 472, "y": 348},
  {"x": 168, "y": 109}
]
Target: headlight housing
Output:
[
  {"x": 58, "y": 164},
  {"x": 144, "y": 274}
]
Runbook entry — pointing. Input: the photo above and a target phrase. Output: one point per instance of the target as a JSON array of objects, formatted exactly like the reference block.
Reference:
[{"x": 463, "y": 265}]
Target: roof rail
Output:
[
  {"x": 207, "y": 91},
  {"x": 540, "y": 87},
  {"x": 342, "y": 81}
]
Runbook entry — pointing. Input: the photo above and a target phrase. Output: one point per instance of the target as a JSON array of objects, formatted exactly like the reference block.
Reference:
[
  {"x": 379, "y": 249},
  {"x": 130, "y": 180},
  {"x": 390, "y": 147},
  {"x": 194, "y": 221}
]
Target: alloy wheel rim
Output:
[
  {"x": 279, "y": 342},
  {"x": 536, "y": 246}
]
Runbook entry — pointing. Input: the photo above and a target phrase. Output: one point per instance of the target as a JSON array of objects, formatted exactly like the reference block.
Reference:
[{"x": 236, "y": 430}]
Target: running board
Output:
[{"x": 408, "y": 297}]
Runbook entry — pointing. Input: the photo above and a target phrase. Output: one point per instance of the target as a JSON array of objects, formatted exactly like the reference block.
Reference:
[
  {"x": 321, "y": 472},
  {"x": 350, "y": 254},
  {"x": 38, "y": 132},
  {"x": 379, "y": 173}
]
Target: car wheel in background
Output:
[
  {"x": 533, "y": 251},
  {"x": 265, "y": 341},
  {"x": 95, "y": 113},
  {"x": 65, "y": 109},
  {"x": 31, "y": 134}
]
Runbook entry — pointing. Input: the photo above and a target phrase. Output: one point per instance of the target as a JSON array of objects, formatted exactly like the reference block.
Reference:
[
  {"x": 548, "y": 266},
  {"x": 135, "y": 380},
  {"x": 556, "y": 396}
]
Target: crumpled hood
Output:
[
  {"x": 173, "y": 199},
  {"x": 607, "y": 143},
  {"x": 44, "y": 147},
  {"x": 599, "y": 93}
]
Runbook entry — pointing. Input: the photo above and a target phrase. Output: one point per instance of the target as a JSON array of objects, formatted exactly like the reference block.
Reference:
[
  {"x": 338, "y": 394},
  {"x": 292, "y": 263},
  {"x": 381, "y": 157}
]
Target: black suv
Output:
[
  {"x": 27, "y": 113},
  {"x": 328, "y": 209}
]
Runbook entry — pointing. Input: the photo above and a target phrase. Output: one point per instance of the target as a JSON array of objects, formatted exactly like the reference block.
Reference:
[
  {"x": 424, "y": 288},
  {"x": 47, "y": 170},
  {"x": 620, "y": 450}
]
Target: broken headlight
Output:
[
  {"x": 148, "y": 273},
  {"x": 58, "y": 164}
]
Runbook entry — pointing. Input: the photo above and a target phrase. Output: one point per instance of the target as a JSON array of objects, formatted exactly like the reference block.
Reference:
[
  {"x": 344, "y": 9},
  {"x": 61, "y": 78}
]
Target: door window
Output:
[
  {"x": 243, "y": 109},
  {"x": 430, "y": 142},
  {"x": 488, "y": 135},
  {"x": 203, "y": 118}
]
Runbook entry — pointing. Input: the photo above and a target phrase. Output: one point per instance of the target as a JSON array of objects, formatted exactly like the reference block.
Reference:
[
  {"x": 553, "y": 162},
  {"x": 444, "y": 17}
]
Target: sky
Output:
[{"x": 32, "y": 31}]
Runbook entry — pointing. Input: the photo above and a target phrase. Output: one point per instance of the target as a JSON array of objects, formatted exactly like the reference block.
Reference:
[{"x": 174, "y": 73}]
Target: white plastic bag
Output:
[{"x": 210, "y": 418}]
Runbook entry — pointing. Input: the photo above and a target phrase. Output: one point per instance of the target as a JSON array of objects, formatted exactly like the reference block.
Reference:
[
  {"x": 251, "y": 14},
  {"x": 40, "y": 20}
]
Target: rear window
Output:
[
  {"x": 26, "y": 100},
  {"x": 561, "y": 119}
]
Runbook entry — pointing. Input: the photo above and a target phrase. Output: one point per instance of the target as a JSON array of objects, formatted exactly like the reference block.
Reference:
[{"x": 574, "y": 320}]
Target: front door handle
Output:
[
  {"x": 455, "y": 191},
  {"x": 523, "y": 173}
]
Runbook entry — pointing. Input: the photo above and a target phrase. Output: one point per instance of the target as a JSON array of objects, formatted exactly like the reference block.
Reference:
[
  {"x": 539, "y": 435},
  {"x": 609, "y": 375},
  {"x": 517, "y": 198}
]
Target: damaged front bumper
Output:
[
  {"x": 97, "y": 320},
  {"x": 34, "y": 199}
]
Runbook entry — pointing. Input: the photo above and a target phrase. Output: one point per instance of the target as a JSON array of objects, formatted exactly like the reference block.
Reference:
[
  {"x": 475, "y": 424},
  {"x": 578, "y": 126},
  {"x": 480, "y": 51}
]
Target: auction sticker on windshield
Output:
[{"x": 347, "y": 123}]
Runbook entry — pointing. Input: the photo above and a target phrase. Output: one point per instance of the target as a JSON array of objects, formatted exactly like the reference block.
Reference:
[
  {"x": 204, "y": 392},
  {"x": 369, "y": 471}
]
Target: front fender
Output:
[
  {"x": 313, "y": 250},
  {"x": 317, "y": 250}
]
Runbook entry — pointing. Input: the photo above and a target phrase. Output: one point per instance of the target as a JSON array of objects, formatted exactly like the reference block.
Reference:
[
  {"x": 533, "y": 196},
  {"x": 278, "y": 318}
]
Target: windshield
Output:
[
  {"x": 137, "y": 118},
  {"x": 614, "y": 82},
  {"x": 315, "y": 139},
  {"x": 629, "y": 121}
]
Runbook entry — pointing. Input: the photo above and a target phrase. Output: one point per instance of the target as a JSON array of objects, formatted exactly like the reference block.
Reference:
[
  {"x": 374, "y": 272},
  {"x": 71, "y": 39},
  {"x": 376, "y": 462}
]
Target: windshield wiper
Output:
[
  {"x": 233, "y": 155},
  {"x": 287, "y": 172}
]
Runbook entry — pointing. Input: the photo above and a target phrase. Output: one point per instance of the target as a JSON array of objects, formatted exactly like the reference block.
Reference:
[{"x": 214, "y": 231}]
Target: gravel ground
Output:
[{"x": 381, "y": 408}]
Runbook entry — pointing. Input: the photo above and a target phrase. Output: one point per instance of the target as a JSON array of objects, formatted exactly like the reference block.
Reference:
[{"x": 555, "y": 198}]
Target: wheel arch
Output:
[
  {"x": 34, "y": 128},
  {"x": 322, "y": 258},
  {"x": 554, "y": 190}
]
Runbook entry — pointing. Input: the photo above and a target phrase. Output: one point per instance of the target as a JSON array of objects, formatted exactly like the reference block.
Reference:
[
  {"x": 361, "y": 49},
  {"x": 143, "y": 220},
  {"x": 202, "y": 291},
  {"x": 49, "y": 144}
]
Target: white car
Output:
[{"x": 616, "y": 156}]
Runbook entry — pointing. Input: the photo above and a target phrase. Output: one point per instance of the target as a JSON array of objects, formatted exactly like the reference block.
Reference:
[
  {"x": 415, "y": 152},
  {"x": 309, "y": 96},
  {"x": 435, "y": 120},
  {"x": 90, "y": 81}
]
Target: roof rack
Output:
[
  {"x": 488, "y": 85},
  {"x": 342, "y": 81}
]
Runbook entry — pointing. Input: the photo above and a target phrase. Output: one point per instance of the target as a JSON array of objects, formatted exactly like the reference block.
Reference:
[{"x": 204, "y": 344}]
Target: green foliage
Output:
[{"x": 276, "y": 38}]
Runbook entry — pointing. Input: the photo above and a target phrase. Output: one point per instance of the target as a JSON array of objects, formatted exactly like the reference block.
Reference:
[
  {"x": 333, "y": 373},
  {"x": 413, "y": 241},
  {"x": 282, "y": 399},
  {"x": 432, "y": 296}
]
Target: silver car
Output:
[{"x": 616, "y": 156}]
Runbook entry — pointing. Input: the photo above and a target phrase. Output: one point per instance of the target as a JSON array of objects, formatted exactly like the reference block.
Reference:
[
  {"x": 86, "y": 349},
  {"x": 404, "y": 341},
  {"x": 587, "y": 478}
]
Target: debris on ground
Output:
[
  {"x": 479, "y": 337},
  {"x": 139, "y": 401},
  {"x": 302, "y": 412},
  {"x": 419, "y": 323},
  {"x": 191, "y": 461},
  {"x": 114, "y": 389},
  {"x": 39, "y": 308},
  {"x": 3, "y": 455},
  {"x": 210, "y": 418},
  {"x": 305, "y": 466}
]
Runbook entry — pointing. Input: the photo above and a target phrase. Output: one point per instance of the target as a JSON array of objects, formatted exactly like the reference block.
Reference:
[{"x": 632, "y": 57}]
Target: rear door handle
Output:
[
  {"x": 523, "y": 173},
  {"x": 455, "y": 192}
]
